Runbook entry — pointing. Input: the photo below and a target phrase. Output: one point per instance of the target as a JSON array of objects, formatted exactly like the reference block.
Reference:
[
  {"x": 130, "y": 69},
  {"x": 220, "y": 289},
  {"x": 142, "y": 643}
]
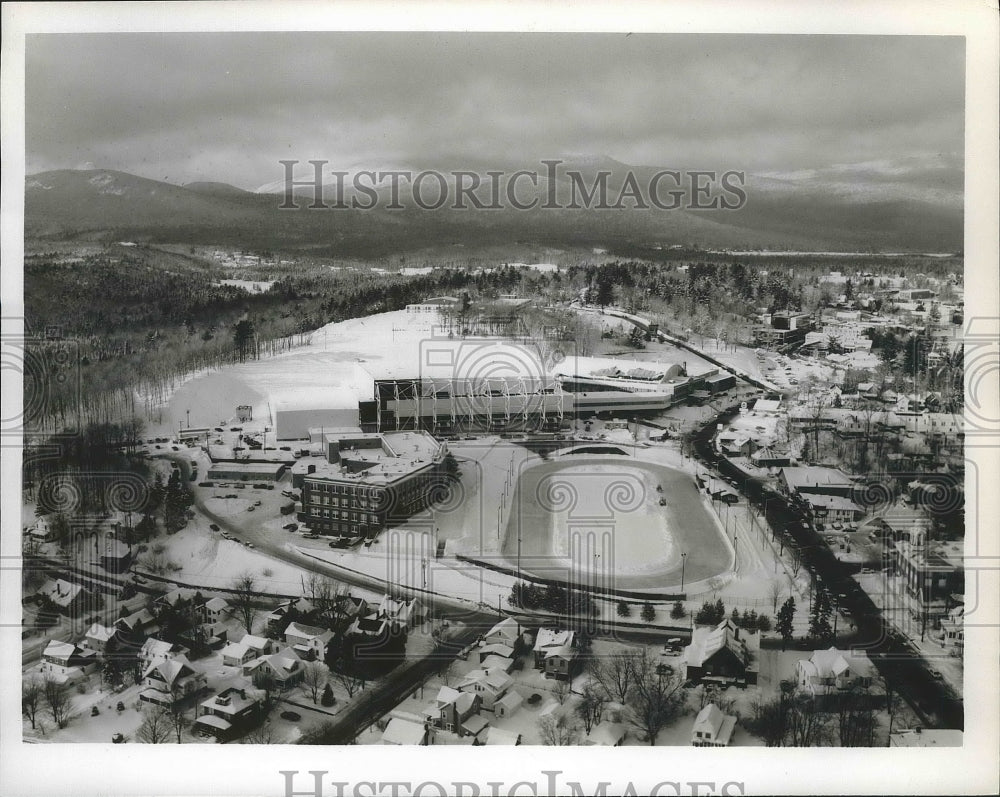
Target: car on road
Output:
[
  {"x": 837, "y": 525},
  {"x": 249, "y": 545},
  {"x": 936, "y": 675},
  {"x": 251, "y": 508},
  {"x": 290, "y": 526},
  {"x": 117, "y": 739},
  {"x": 256, "y": 503},
  {"x": 291, "y": 716},
  {"x": 213, "y": 527},
  {"x": 311, "y": 537},
  {"x": 218, "y": 429}
]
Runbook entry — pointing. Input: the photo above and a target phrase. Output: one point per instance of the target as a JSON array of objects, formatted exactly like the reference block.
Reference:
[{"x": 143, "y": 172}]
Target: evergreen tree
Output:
[
  {"x": 786, "y": 616},
  {"x": 819, "y": 620}
]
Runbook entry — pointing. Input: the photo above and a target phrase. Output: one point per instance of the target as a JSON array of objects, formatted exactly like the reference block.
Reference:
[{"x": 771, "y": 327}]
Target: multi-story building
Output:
[
  {"x": 932, "y": 577},
  {"x": 369, "y": 481},
  {"x": 786, "y": 326},
  {"x": 230, "y": 711}
]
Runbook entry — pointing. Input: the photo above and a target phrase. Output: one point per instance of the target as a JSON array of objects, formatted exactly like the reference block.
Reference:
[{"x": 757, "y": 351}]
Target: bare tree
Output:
[
  {"x": 655, "y": 696},
  {"x": 590, "y": 709},
  {"x": 770, "y": 720},
  {"x": 774, "y": 592},
  {"x": 856, "y": 721},
  {"x": 243, "y": 599},
  {"x": 807, "y": 725},
  {"x": 58, "y": 701},
  {"x": 561, "y": 689},
  {"x": 314, "y": 678},
  {"x": 350, "y": 680},
  {"x": 31, "y": 698},
  {"x": 156, "y": 727},
  {"x": 557, "y": 731},
  {"x": 321, "y": 591},
  {"x": 179, "y": 720},
  {"x": 261, "y": 734},
  {"x": 614, "y": 674}
]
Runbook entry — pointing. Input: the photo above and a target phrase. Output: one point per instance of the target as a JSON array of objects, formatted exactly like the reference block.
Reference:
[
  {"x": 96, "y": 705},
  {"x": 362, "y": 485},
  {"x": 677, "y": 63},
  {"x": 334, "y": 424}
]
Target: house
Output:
[
  {"x": 251, "y": 647},
  {"x": 555, "y": 652},
  {"x": 507, "y": 632},
  {"x": 370, "y": 626},
  {"x": 214, "y": 611},
  {"x": 606, "y": 734},
  {"x": 735, "y": 444},
  {"x": 508, "y": 705},
  {"x": 826, "y": 509},
  {"x": 70, "y": 599},
  {"x": 138, "y": 624},
  {"x": 489, "y": 686},
  {"x": 154, "y": 651},
  {"x": 724, "y": 654},
  {"x": 230, "y": 711},
  {"x": 498, "y": 650},
  {"x": 296, "y": 607},
  {"x": 42, "y": 530},
  {"x": 831, "y": 672},
  {"x": 451, "y": 708},
  {"x": 794, "y": 482},
  {"x": 66, "y": 662},
  {"x": 712, "y": 728},
  {"x": 405, "y": 614},
  {"x": 402, "y": 731},
  {"x": 953, "y": 631},
  {"x": 170, "y": 681},
  {"x": 472, "y": 726},
  {"x": 98, "y": 636},
  {"x": 770, "y": 457},
  {"x": 499, "y": 736},
  {"x": 177, "y": 598},
  {"x": 116, "y": 556},
  {"x": 236, "y": 654},
  {"x": 310, "y": 642},
  {"x": 494, "y": 661},
  {"x": 283, "y": 669}
]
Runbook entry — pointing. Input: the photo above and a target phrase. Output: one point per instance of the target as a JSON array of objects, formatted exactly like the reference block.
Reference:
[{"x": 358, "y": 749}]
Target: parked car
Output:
[
  {"x": 213, "y": 527},
  {"x": 290, "y": 526},
  {"x": 251, "y": 508},
  {"x": 256, "y": 503},
  {"x": 291, "y": 716},
  {"x": 117, "y": 738}
]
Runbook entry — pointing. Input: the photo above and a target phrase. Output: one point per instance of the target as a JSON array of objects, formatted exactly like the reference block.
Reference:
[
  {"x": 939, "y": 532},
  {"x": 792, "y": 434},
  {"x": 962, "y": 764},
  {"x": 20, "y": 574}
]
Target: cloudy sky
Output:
[{"x": 185, "y": 107}]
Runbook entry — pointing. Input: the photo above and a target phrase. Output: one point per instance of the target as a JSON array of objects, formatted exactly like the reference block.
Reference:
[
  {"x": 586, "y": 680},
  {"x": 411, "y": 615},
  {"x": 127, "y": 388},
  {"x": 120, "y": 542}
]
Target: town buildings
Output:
[{"x": 369, "y": 481}]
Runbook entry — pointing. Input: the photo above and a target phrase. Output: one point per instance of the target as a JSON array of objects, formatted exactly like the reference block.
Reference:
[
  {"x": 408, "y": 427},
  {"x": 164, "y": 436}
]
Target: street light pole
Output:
[{"x": 683, "y": 563}]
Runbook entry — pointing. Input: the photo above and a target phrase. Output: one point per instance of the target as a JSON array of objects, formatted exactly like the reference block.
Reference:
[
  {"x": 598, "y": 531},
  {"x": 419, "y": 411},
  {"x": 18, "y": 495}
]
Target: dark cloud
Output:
[{"x": 228, "y": 106}]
